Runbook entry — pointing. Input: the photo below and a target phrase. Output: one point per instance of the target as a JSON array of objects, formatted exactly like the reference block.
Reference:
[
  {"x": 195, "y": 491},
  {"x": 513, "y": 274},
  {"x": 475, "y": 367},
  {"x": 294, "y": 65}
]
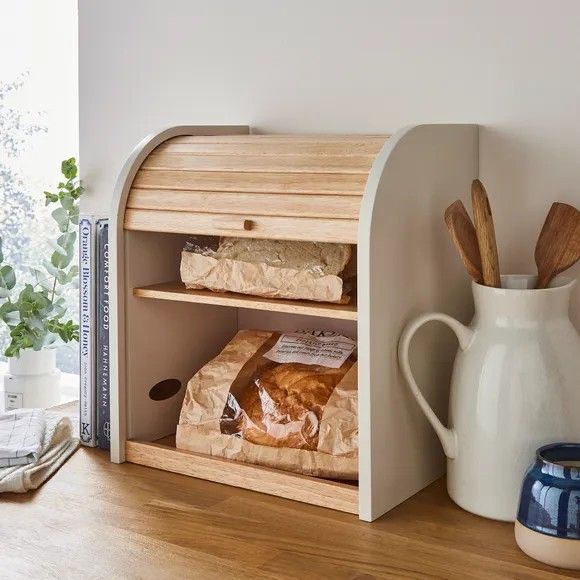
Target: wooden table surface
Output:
[{"x": 95, "y": 519}]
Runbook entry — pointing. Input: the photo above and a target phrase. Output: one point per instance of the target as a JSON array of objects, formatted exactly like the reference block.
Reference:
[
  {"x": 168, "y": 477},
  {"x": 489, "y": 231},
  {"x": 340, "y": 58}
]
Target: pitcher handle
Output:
[{"x": 447, "y": 436}]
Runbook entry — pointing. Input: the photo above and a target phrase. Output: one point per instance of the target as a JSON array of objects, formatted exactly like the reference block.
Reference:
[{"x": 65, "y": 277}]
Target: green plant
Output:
[{"x": 36, "y": 317}]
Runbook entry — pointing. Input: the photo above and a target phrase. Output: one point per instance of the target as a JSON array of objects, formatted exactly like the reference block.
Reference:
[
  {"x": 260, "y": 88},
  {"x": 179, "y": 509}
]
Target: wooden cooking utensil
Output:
[
  {"x": 463, "y": 235},
  {"x": 558, "y": 246},
  {"x": 485, "y": 235}
]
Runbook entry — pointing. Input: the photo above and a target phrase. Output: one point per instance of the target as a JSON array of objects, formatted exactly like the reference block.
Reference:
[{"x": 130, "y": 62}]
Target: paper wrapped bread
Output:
[
  {"x": 281, "y": 400},
  {"x": 268, "y": 268}
]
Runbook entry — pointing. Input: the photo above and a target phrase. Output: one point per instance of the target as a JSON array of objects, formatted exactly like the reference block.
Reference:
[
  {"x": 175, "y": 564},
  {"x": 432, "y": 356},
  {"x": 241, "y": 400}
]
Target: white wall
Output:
[
  {"x": 340, "y": 66},
  {"x": 39, "y": 38}
]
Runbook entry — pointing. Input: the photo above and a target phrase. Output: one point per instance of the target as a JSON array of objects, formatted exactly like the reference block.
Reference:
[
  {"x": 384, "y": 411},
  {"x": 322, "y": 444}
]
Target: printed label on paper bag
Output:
[
  {"x": 12, "y": 401},
  {"x": 325, "y": 349}
]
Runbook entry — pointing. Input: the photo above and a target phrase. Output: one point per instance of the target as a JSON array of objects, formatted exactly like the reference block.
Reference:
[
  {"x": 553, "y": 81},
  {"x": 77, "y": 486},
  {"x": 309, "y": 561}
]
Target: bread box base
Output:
[{"x": 162, "y": 454}]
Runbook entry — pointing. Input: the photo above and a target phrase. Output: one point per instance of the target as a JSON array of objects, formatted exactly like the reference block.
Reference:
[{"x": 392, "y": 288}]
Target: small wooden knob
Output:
[{"x": 248, "y": 225}]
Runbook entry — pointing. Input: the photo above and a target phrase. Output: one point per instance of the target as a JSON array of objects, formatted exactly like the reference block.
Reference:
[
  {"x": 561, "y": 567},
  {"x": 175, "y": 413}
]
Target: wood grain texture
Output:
[
  {"x": 464, "y": 237},
  {"x": 95, "y": 519},
  {"x": 163, "y": 455},
  {"x": 239, "y": 203},
  {"x": 485, "y": 231},
  {"x": 275, "y": 145},
  {"x": 263, "y": 227},
  {"x": 176, "y": 291},
  {"x": 558, "y": 246},
  {"x": 322, "y": 139},
  {"x": 261, "y": 163},
  {"x": 308, "y": 183}
]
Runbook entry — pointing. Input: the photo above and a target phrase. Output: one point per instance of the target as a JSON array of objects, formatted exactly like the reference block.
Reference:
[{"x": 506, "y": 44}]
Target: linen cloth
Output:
[
  {"x": 21, "y": 434},
  {"x": 57, "y": 445}
]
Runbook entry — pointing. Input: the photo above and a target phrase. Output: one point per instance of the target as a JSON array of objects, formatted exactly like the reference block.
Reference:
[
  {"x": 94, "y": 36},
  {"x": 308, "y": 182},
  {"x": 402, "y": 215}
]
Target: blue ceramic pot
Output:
[{"x": 550, "y": 498}]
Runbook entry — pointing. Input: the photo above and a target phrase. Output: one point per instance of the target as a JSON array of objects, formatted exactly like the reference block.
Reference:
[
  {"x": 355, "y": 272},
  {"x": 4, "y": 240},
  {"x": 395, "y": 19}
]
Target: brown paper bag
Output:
[
  {"x": 317, "y": 433},
  {"x": 268, "y": 268}
]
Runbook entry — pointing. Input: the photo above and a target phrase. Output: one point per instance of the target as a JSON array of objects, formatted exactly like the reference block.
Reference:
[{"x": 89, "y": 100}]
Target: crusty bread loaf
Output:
[{"x": 284, "y": 406}]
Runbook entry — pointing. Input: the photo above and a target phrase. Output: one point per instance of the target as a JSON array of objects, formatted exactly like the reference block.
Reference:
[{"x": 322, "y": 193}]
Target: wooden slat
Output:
[
  {"x": 261, "y": 163},
  {"x": 326, "y": 206},
  {"x": 306, "y": 183},
  {"x": 279, "y": 138},
  {"x": 269, "y": 147},
  {"x": 321, "y": 492},
  {"x": 176, "y": 291},
  {"x": 250, "y": 226}
]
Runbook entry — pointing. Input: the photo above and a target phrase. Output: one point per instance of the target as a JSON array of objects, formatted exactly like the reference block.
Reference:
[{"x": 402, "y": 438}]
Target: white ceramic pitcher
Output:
[{"x": 515, "y": 387}]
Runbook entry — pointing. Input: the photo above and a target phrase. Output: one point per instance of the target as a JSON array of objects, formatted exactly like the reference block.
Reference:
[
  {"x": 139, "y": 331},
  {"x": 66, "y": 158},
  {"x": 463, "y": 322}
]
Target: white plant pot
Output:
[{"x": 32, "y": 380}]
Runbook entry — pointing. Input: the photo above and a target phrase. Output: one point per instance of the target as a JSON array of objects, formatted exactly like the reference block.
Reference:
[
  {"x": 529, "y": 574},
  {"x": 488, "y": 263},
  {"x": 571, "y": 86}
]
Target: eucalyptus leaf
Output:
[
  {"x": 7, "y": 277},
  {"x": 46, "y": 284},
  {"x": 67, "y": 241},
  {"x": 74, "y": 213},
  {"x": 49, "y": 267},
  {"x": 60, "y": 215},
  {"x": 6, "y": 308},
  {"x": 56, "y": 247},
  {"x": 58, "y": 311},
  {"x": 40, "y": 277},
  {"x": 50, "y": 197},
  {"x": 36, "y": 323},
  {"x": 11, "y": 318},
  {"x": 61, "y": 261},
  {"x": 62, "y": 277},
  {"x": 67, "y": 202}
]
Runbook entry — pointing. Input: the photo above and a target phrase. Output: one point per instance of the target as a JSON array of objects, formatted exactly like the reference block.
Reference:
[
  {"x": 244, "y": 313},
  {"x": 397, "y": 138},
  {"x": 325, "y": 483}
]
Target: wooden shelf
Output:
[
  {"x": 162, "y": 454},
  {"x": 176, "y": 291}
]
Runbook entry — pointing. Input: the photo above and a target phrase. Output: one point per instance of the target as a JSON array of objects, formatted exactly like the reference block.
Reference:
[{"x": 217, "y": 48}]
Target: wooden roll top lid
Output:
[{"x": 302, "y": 187}]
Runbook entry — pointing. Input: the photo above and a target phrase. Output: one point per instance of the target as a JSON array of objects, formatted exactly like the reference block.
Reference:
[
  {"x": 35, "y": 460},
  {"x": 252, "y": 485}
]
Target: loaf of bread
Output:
[
  {"x": 269, "y": 268},
  {"x": 284, "y": 405},
  {"x": 283, "y": 400}
]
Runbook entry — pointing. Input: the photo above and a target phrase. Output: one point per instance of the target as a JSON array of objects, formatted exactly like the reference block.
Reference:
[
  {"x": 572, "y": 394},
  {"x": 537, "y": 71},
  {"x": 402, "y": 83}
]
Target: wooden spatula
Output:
[
  {"x": 558, "y": 246},
  {"x": 463, "y": 235},
  {"x": 485, "y": 235}
]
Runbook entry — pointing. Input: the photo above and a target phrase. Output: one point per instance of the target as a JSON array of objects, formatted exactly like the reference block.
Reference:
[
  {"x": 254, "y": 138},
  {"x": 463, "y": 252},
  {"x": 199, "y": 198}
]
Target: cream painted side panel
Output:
[{"x": 407, "y": 265}]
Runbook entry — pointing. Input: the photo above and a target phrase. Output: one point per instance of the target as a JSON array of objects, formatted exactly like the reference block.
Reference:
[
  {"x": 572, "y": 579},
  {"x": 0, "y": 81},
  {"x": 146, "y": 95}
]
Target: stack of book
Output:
[{"x": 95, "y": 412}]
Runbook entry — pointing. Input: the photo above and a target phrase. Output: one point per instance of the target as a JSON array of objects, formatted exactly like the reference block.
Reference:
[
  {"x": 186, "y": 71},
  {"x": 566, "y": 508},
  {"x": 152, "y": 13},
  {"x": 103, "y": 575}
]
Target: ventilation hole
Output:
[{"x": 164, "y": 389}]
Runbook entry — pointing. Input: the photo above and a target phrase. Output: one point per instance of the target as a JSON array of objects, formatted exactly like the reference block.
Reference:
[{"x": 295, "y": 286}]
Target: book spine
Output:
[
  {"x": 102, "y": 351},
  {"x": 87, "y": 399}
]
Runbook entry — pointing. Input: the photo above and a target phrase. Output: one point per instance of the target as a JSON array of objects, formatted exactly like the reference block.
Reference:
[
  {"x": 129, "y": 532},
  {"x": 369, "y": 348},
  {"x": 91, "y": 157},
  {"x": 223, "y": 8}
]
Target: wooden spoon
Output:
[
  {"x": 558, "y": 246},
  {"x": 463, "y": 235},
  {"x": 485, "y": 235}
]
